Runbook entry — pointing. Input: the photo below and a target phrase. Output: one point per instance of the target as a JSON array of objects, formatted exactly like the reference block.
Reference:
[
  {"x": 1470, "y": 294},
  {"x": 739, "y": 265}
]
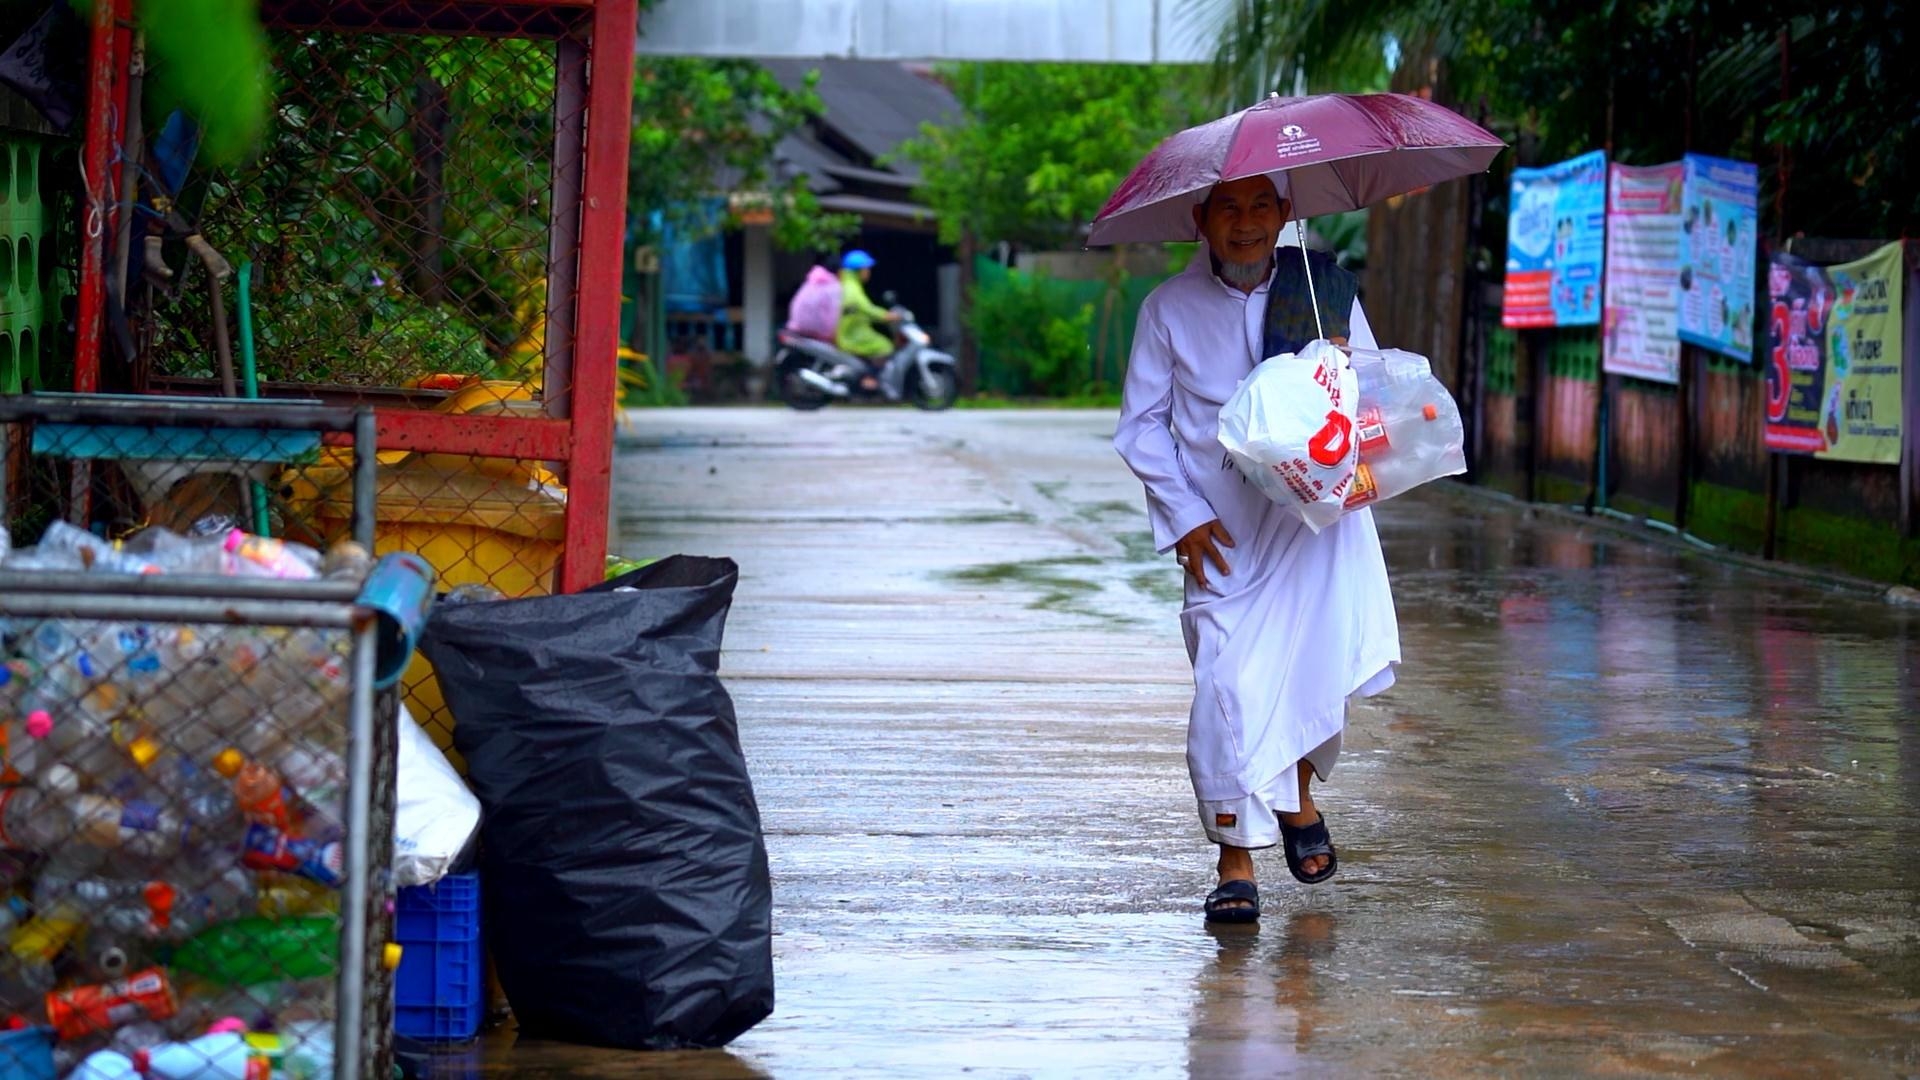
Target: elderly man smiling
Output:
[{"x": 1282, "y": 625}]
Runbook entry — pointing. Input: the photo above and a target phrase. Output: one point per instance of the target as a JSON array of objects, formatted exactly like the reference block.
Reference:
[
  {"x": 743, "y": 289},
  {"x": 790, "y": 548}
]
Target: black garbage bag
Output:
[{"x": 622, "y": 869}]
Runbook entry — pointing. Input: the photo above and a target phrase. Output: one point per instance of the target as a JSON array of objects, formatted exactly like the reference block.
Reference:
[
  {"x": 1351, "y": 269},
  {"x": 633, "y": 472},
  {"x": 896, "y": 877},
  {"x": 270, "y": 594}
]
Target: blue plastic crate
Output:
[
  {"x": 439, "y": 993},
  {"x": 27, "y": 1054}
]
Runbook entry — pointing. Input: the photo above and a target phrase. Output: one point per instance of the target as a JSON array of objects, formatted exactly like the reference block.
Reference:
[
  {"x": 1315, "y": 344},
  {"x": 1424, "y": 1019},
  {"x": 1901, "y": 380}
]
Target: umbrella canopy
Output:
[{"x": 1331, "y": 153}]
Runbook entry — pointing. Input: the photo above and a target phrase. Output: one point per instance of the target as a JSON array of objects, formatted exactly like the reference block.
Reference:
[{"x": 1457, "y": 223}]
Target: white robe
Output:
[{"x": 1303, "y": 621}]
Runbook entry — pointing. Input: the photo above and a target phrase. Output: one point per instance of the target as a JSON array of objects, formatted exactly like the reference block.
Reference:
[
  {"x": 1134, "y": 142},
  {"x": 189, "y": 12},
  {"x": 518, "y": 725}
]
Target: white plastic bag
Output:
[
  {"x": 435, "y": 815},
  {"x": 1289, "y": 428},
  {"x": 1409, "y": 430}
]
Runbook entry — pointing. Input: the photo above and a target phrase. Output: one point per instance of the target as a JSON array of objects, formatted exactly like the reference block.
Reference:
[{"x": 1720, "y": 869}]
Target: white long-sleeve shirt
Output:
[{"x": 1304, "y": 620}]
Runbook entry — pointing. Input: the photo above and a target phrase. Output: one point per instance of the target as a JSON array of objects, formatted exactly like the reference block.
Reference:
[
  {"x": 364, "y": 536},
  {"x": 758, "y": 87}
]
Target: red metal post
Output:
[
  {"x": 103, "y": 69},
  {"x": 603, "y": 215}
]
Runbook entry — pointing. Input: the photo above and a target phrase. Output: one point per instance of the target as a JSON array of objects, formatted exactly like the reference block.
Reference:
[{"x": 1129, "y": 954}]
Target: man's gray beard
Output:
[{"x": 1244, "y": 275}]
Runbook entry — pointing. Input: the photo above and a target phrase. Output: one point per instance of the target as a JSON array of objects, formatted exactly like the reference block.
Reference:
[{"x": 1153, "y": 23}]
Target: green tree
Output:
[
  {"x": 1654, "y": 78},
  {"x": 1040, "y": 147},
  {"x": 702, "y": 128}
]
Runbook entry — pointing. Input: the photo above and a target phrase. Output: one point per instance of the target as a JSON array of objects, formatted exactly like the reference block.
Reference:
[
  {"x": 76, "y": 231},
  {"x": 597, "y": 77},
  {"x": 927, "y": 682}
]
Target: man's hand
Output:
[{"x": 1195, "y": 548}]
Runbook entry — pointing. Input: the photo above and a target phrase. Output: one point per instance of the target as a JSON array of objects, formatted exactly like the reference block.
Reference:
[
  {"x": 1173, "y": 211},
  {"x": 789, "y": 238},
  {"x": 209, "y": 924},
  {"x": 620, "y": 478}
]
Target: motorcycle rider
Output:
[{"x": 857, "y": 336}]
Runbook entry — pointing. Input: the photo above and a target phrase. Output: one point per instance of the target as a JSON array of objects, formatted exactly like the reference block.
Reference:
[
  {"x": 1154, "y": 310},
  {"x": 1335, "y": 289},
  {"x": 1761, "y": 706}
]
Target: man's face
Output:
[
  {"x": 1241, "y": 220},
  {"x": 866, "y": 273}
]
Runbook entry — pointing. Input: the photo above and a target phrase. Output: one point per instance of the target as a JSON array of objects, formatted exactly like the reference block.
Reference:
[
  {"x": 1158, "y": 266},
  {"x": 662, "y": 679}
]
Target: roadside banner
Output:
[
  {"x": 1719, "y": 237},
  {"x": 1798, "y": 300},
  {"x": 1556, "y": 234},
  {"x": 1642, "y": 336},
  {"x": 1860, "y": 416}
]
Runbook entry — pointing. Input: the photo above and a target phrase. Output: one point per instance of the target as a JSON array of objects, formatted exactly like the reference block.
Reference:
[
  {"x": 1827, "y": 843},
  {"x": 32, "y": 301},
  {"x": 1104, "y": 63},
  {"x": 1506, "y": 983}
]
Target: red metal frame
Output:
[{"x": 577, "y": 433}]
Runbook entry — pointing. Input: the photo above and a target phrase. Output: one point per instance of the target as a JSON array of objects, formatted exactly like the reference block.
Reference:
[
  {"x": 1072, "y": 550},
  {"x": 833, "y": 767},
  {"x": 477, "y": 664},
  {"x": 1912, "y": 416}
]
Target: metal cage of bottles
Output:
[{"x": 199, "y": 768}]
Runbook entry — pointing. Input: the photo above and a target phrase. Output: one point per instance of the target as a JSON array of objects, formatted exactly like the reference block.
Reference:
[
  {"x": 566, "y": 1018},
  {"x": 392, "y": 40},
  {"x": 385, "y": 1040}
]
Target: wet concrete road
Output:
[{"x": 1627, "y": 812}]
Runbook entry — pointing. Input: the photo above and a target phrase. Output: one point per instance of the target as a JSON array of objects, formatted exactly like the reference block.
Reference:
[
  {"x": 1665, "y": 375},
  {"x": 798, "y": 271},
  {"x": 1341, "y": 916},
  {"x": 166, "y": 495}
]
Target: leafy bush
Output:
[{"x": 1039, "y": 342}]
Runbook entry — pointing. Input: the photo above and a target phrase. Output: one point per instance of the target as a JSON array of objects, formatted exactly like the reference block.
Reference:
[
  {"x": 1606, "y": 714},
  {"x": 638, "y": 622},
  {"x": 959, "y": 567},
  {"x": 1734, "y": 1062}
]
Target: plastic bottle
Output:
[
  {"x": 346, "y": 561},
  {"x": 29, "y": 821},
  {"x": 110, "y": 955},
  {"x": 283, "y": 896},
  {"x": 176, "y": 554},
  {"x": 258, "y": 791},
  {"x": 262, "y": 556},
  {"x": 105, "y": 1065},
  {"x": 222, "y": 1056},
  {"x": 308, "y": 1053},
  {"x": 100, "y": 1009},
  {"x": 252, "y": 951},
  {"x": 91, "y": 552},
  {"x": 267, "y": 848},
  {"x": 136, "y": 1037},
  {"x": 200, "y": 799},
  {"x": 318, "y": 778}
]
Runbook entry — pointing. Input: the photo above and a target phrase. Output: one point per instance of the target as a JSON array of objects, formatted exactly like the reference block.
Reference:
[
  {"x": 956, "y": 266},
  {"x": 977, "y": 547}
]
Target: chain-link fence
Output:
[
  {"x": 408, "y": 238},
  {"x": 198, "y": 772}
]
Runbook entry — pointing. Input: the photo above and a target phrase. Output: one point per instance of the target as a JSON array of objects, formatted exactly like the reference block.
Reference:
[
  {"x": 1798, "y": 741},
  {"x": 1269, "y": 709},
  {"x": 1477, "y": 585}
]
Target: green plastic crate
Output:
[{"x": 26, "y": 263}]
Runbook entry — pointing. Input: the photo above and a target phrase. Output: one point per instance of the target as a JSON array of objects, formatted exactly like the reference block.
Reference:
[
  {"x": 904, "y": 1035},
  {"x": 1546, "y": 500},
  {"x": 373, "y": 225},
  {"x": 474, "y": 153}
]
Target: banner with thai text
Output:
[
  {"x": 1798, "y": 300},
  {"x": 1860, "y": 416},
  {"x": 1556, "y": 237},
  {"x": 1719, "y": 238},
  {"x": 1642, "y": 323}
]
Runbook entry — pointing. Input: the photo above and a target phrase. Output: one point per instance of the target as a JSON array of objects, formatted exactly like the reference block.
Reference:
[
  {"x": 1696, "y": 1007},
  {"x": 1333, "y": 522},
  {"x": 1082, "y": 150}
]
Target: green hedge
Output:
[{"x": 1042, "y": 336}]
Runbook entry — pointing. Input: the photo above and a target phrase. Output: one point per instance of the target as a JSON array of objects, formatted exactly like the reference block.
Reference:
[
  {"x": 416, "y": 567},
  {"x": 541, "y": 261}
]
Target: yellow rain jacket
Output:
[{"x": 857, "y": 316}]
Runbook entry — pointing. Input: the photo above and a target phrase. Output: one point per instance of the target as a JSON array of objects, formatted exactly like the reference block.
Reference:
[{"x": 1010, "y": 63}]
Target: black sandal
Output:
[
  {"x": 1303, "y": 842},
  {"x": 1218, "y": 900}
]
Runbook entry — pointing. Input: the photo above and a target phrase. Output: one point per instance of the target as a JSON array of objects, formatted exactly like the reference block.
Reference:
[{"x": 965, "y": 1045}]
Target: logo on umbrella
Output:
[{"x": 1294, "y": 142}]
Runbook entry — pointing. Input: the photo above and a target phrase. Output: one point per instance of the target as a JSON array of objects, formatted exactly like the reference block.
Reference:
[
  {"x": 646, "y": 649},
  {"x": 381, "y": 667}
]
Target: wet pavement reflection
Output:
[{"x": 1628, "y": 811}]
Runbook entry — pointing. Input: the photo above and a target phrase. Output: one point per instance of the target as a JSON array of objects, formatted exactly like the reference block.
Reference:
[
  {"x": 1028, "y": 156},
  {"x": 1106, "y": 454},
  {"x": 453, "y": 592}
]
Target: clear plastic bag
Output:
[
  {"x": 1408, "y": 431},
  {"x": 1289, "y": 429}
]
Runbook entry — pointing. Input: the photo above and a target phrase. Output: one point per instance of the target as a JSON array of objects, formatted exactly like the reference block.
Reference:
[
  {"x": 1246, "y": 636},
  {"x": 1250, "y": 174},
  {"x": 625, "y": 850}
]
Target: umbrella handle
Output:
[{"x": 1313, "y": 296}]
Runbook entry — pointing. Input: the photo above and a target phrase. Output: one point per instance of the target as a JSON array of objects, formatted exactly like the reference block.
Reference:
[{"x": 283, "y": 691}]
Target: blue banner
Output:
[
  {"x": 1719, "y": 238},
  {"x": 1556, "y": 239}
]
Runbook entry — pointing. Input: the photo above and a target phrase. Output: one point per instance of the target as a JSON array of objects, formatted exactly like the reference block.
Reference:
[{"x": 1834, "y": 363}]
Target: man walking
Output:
[{"x": 1282, "y": 625}]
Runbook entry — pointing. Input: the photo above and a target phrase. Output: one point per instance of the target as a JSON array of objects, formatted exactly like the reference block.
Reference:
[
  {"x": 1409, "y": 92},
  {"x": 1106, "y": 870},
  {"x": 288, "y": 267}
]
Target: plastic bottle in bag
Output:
[{"x": 1408, "y": 427}]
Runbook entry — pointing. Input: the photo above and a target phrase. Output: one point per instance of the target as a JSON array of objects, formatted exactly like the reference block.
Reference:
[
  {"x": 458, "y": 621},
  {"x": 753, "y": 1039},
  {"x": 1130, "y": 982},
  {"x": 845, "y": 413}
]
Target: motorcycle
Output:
[{"x": 810, "y": 373}]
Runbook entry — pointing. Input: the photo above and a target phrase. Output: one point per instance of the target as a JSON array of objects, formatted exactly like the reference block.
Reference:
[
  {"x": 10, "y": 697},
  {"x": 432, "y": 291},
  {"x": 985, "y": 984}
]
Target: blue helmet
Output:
[{"x": 856, "y": 260}]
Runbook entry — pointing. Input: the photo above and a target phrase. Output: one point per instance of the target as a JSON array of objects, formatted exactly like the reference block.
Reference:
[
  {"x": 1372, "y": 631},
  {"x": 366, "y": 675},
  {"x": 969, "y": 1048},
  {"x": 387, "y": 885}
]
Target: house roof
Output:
[{"x": 871, "y": 107}]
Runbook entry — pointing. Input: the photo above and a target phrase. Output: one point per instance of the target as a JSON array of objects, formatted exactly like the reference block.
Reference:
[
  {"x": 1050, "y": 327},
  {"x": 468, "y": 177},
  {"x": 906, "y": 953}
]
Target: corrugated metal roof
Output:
[{"x": 874, "y": 105}]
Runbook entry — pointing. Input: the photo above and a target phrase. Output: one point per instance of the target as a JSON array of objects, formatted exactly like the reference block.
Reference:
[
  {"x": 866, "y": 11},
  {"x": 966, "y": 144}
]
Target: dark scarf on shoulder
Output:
[{"x": 1290, "y": 311}]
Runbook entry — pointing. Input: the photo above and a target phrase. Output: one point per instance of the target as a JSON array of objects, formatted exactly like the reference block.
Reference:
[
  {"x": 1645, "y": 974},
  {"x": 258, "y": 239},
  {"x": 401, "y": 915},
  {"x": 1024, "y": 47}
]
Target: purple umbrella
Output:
[{"x": 1336, "y": 152}]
